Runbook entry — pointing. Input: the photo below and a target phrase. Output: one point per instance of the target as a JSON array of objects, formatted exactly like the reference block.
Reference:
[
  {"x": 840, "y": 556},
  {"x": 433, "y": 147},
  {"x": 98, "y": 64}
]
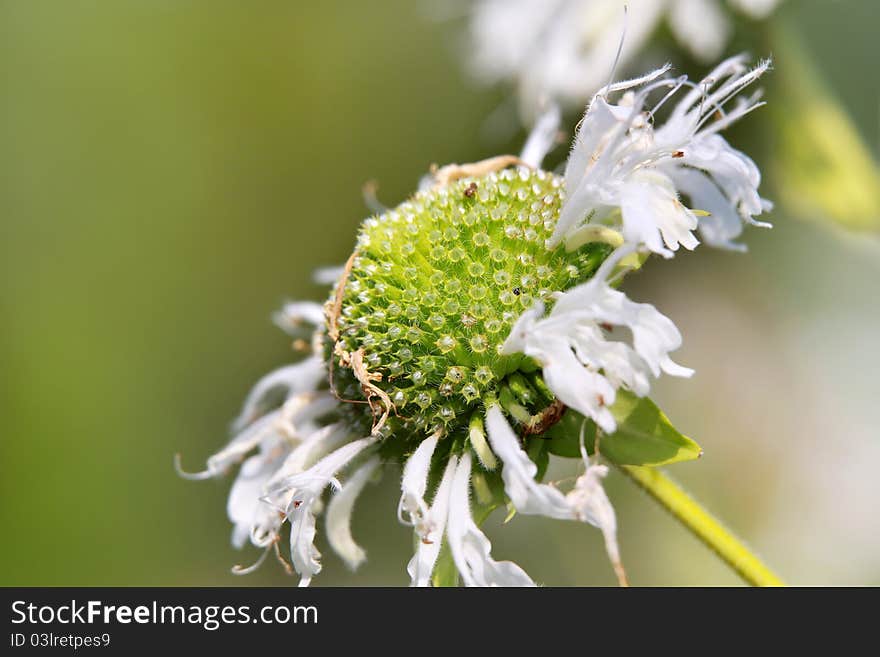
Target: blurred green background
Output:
[{"x": 171, "y": 171}]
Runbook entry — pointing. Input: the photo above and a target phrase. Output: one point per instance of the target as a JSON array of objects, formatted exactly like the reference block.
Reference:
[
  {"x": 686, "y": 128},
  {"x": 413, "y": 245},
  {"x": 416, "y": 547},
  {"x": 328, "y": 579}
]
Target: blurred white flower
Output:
[{"x": 566, "y": 49}]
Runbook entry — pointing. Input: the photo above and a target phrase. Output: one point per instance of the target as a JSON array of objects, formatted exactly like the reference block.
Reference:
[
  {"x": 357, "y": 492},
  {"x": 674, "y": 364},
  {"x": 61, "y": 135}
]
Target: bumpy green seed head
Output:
[{"x": 434, "y": 288}]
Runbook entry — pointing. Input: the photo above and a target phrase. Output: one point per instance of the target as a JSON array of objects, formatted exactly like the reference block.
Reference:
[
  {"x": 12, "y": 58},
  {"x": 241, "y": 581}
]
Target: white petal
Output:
[
  {"x": 527, "y": 495},
  {"x": 421, "y": 566},
  {"x": 303, "y": 491},
  {"x": 290, "y": 379},
  {"x": 415, "y": 482},
  {"x": 584, "y": 390},
  {"x": 293, "y": 315},
  {"x": 653, "y": 215},
  {"x": 339, "y": 515},
  {"x": 543, "y": 137},
  {"x": 470, "y": 547},
  {"x": 306, "y": 558},
  {"x": 244, "y": 506},
  {"x": 591, "y": 504},
  {"x": 317, "y": 444},
  {"x": 723, "y": 225},
  {"x": 519, "y": 335}
]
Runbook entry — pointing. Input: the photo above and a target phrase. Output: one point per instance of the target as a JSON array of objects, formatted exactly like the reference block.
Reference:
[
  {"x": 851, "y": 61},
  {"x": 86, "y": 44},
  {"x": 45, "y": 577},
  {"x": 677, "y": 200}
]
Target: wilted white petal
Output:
[
  {"x": 421, "y": 566},
  {"x": 527, "y": 495},
  {"x": 303, "y": 490},
  {"x": 244, "y": 506},
  {"x": 288, "y": 380},
  {"x": 470, "y": 547},
  {"x": 590, "y": 503},
  {"x": 339, "y": 515}
]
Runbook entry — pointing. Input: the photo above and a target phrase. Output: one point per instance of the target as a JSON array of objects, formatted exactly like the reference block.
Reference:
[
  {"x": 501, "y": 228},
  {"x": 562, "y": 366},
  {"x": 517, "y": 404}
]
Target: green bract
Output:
[{"x": 434, "y": 288}]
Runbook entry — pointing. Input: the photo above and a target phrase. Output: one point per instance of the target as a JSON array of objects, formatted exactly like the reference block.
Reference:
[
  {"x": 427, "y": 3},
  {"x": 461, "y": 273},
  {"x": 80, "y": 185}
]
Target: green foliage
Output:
[
  {"x": 824, "y": 169},
  {"x": 644, "y": 435}
]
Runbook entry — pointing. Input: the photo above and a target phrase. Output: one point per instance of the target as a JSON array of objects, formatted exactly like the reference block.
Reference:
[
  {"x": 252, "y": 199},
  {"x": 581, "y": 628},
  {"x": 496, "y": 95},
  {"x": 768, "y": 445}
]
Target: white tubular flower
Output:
[
  {"x": 527, "y": 495},
  {"x": 414, "y": 483},
  {"x": 421, "y": 566},
  {"x": 566, "y": 49},
  {"x": 581, "y": 366},
  {"x": 624, "y": 170},
  {"x": 470, "y": 547},
  {"x": 303, "y": 490},
  {"x": 339, "y": 515}
]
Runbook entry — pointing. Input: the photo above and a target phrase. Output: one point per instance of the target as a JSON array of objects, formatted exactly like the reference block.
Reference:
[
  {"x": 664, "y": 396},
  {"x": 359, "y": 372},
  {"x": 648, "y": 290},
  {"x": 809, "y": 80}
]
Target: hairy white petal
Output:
[
  {"x": 421, "y": 566},
  {"x": 471, "y": 549},
  {"x": 339, "y": 510}
]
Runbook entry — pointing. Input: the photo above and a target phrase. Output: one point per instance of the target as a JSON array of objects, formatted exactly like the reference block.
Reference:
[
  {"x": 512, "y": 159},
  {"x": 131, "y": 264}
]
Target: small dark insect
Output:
[
  {"x": 516, "y": 291},
  {"x": 470, "y": 190},
  {"x": 678, "y": 154}
]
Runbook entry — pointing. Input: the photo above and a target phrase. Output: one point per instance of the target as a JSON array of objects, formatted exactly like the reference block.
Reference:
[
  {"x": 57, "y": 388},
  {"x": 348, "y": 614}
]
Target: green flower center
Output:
[{"x": 434, "y": 288}]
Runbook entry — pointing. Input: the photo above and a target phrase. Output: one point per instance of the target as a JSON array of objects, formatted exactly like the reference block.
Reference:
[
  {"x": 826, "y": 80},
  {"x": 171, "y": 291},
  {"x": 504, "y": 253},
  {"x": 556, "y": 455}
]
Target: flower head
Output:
[{"x": 470, "y": 318}]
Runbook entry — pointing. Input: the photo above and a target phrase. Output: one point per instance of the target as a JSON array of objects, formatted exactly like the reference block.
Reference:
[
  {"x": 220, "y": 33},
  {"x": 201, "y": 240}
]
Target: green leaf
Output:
[{"x": 644, "y": 435}]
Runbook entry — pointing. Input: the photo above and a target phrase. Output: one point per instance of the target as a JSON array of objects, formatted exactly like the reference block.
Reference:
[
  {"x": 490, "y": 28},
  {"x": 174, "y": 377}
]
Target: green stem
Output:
[{"x": 681, "y": 505}]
